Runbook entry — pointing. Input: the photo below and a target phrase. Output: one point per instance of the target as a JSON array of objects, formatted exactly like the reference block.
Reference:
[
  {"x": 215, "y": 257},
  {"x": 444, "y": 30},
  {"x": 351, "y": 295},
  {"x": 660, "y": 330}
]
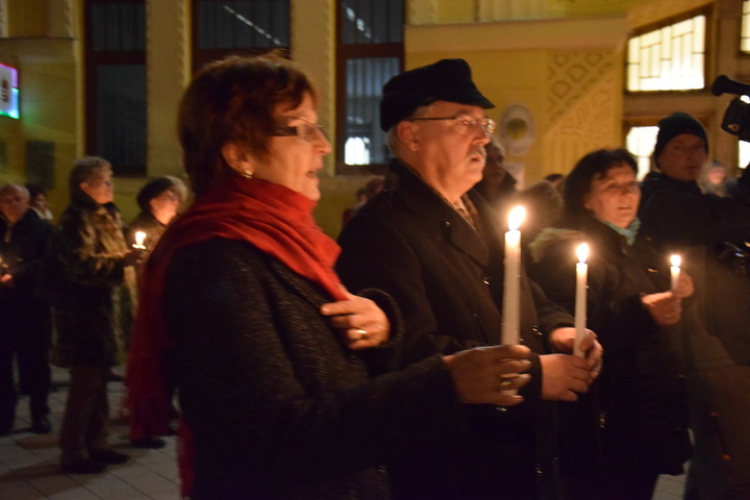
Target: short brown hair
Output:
[
  {"x": 85, "y": 169},
  {"x": 234, "y": 99}
]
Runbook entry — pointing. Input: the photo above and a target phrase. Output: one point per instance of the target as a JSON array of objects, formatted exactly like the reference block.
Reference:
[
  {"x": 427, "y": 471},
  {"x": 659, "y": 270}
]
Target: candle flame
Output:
[
  {"x": 140, "y": 236},
  {"x": 675, "y": 260},
  {"x": 582, "y": 252},
  {"x": 515, "y": 218}
]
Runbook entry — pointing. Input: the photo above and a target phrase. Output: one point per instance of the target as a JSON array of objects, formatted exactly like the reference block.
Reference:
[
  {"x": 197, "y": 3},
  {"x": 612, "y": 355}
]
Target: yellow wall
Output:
[
  {"x": 49, "y": 104},
  {"x": 565, "y": 67},
  {"x": 566, "y": 73}
]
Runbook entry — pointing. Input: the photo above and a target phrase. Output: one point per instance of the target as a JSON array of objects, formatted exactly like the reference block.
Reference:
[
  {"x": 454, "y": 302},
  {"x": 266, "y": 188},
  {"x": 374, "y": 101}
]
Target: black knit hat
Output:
[
  {"x": 446, "y": 80},
  {"x": 674, "y": 125}
]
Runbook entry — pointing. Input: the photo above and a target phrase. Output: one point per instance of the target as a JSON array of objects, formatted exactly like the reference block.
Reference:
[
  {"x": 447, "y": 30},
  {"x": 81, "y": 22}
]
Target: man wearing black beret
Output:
[
  {"x": 709, "y": 232},
  {"x": 434, "y": 244}
]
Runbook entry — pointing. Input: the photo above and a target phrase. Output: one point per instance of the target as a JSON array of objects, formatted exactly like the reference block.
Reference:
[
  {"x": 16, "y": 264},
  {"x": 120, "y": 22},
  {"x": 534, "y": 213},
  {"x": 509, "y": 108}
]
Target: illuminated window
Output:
[
  {"x": 670, "y": 58},
  {"x": 744, "y": 154},
  {"x": 640, "y": 141},
  {"x": 223, "y": 27},
  {"x": 9, "y": 91},
  {"x": 745, "y": 41},
  {"x": 744, "y": 146},
  {"x": 369, "y": 52},
  {"x": 116, "y": 83}
]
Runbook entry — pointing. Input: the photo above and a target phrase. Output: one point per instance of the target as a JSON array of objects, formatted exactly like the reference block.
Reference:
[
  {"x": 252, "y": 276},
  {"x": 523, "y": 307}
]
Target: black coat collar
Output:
[{"x": 422, "y": 200}]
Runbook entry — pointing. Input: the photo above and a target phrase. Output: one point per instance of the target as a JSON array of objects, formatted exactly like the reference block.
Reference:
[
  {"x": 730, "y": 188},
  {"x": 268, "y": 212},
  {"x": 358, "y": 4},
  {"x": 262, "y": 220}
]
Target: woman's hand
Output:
[
  {"x": 363, "y": 323},
  {"x": 563, "y": 340},
  {"x": 665, "y": 307},
  {"x": 490, "y": 375}
]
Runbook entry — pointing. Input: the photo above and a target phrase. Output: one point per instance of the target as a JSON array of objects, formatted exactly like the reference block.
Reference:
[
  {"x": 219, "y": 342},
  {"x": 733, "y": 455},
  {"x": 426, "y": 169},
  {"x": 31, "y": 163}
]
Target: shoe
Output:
[
  {"x": 41, "y": 426},
  {"x": 83, "y": 466},
  {"x": 109, "y": 457},
  {"x": 149, "y": 442}
]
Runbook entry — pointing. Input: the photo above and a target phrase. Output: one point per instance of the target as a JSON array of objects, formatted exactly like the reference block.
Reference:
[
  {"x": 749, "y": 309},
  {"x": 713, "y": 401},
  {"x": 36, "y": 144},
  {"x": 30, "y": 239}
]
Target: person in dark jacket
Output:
[
  {"x": 285, "y": 379},
  {"x": 25, "y": 317},
  {"x": 710, "y": 233},
  {"x": 497, "y": 185},
  {"x": 159, "y": 200},
  {"x": 434, "y": 244},
  {"x": 91, "y": 262},
  {"x": 632, "y": 426}
]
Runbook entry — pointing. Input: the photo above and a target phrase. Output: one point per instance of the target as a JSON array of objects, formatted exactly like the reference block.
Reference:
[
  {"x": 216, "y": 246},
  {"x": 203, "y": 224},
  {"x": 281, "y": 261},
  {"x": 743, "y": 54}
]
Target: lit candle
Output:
[
  {"x": 580, "y": 321},
  {"x": 512, "y": 291},
  {"x": 140, "y": 236},
  {"x": 675, "y": 271}
]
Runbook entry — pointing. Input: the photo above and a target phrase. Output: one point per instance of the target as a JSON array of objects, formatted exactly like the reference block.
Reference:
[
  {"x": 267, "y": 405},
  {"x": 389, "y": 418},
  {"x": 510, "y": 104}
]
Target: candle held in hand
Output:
[
  {"x": 676, "y": 261},
  {"x": 581, "y": 274},
  {"x": 512, "y": 290},
  {"x": 140, "y": 237}
]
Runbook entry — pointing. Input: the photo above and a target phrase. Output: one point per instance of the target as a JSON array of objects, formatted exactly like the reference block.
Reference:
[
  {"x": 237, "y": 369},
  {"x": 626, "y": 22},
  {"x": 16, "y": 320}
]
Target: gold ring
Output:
[
  {"x": 362, "y": 333},
  {"x": 505, "y": 382}
]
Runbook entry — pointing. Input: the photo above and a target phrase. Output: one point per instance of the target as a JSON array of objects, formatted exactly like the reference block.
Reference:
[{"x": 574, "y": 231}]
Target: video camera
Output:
[{"x": 736, "y": 119}]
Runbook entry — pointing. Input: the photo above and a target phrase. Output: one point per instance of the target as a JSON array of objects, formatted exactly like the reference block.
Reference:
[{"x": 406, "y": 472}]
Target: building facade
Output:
[{"x": 558, "y": 71}]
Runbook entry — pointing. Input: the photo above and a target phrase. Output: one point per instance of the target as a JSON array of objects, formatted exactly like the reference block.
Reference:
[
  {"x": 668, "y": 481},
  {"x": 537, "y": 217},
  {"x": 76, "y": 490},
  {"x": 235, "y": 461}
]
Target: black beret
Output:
[
  {"x": 446, "y": 80},
  {"x": 674, "y": 125}
]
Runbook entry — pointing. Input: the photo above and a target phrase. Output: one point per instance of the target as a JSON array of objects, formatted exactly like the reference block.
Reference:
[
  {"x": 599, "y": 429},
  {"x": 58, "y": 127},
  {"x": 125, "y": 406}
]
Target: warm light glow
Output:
[
  {"x": 675, "y": 260},
  {"x": 582, "y": 252},
  {"x": 140, "y": 237},
  {"x": 515, "y": 218}
]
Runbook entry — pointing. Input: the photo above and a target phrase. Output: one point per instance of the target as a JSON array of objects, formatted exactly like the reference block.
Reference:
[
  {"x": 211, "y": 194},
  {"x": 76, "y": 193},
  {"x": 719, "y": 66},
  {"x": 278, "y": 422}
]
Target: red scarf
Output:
[{"x": 271, "y": 217}]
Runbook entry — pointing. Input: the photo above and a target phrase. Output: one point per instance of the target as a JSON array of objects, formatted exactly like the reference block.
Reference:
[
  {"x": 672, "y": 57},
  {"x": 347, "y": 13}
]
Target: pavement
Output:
[{"x": 29, "y": 462}]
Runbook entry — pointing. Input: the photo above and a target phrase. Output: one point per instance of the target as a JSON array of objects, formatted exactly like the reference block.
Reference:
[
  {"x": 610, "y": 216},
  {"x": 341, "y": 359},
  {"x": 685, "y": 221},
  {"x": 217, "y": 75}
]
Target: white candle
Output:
[
  {"x": 512, "y": 291},
  {"x": 580, "y": 321},
  {"x": 140, "y": 237},
  {"x": 675, "y": 270}
]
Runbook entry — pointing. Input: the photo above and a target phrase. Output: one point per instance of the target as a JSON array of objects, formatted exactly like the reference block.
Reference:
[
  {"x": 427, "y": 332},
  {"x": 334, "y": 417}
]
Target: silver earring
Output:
[{"x": 247, "y": 174}]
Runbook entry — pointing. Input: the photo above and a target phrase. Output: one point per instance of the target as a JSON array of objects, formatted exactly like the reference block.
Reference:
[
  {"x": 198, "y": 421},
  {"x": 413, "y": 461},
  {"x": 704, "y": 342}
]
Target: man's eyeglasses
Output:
[
  {"x": 308, "y": 131},
  {"x": 464, "y": 123}
]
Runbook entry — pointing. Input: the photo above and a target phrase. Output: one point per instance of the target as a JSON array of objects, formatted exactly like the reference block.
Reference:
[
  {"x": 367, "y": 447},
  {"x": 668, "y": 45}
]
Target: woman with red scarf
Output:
[{"x": 283, "y": 376}]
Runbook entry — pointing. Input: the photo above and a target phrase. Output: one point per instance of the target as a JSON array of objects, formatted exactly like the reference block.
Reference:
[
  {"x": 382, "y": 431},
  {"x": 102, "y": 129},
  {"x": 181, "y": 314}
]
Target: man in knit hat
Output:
[
  {"x": 433, "y": 243},
  {"x": 707, "y": 231}
]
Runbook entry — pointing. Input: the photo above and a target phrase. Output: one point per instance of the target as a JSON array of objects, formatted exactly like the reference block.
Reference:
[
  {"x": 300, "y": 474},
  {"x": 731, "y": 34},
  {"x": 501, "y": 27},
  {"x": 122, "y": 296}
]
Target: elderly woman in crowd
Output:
[
  {"x": 621, "y": 437},
  {"x": 91, "y": 264},
  {"x": 281, "y": 372}
]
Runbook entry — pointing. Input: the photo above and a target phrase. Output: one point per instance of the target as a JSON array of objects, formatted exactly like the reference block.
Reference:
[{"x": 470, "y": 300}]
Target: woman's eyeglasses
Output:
[
  {"x": 308, "y": 131},
  {"x": 464, "y": 123}
]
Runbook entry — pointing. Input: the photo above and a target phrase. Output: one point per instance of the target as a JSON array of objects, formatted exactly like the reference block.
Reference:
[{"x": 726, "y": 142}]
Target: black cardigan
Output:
[{"x": 278, "y": 405}]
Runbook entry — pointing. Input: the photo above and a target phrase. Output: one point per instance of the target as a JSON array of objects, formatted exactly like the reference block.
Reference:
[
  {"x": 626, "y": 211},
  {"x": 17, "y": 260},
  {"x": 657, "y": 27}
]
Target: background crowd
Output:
[{"x": 374, "y": 367}]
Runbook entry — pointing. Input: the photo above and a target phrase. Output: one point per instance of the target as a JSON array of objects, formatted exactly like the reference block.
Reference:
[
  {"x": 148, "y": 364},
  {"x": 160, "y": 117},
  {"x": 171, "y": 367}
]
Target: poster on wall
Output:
[{"x": 9, "y": 91}]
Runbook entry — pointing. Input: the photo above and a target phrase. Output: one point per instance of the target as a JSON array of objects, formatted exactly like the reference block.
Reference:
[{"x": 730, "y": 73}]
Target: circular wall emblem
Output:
[{"x": 516, "y": 131}]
